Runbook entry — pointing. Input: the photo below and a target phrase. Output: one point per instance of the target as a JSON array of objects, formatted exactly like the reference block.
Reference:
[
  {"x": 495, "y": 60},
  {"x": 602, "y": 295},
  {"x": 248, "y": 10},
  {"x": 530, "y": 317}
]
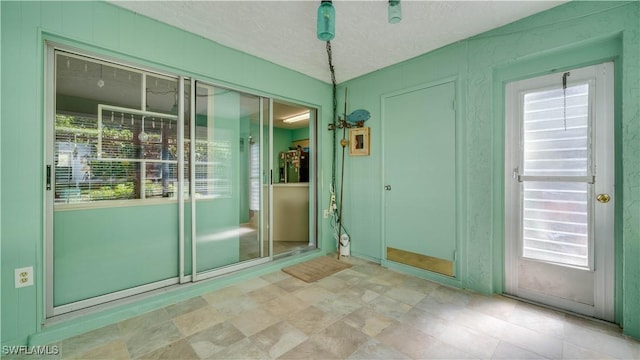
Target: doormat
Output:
[{"x": 316, "y": 269}]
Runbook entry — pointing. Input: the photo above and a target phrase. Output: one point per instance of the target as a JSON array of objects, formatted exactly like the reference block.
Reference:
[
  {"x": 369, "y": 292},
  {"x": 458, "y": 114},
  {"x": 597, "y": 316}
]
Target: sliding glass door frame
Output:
[
  {"x": 217, "y": 271},
  {"x": 185, "y": 198}
]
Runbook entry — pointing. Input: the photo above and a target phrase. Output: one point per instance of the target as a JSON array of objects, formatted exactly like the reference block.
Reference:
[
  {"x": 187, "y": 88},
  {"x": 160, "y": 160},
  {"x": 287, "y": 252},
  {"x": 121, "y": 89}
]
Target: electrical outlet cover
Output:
[{"x": 24, "y": 277}]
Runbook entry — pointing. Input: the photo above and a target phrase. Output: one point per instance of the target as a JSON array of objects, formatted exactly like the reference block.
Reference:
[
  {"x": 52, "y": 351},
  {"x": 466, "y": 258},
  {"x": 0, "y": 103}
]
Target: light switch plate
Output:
[{"x": 24, "y": 277}]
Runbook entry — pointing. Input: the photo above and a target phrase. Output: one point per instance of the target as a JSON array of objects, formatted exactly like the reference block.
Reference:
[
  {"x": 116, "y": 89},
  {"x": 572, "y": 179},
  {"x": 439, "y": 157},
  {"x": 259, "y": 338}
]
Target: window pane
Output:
[
  {"x": 550, "y": 149},
  {"x": 107, "y": 147},
  {"x": 555, "y": 226}
]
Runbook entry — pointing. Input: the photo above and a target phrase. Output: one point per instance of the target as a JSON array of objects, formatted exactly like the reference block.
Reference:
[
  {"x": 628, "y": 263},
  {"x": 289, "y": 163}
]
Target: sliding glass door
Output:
[
  {"x": 227, "y": 197},
  {"x": 155, "y": 179}
]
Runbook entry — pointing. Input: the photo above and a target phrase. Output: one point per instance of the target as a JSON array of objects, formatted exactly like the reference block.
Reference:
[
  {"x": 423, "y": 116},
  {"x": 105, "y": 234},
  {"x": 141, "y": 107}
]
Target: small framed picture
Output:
[{"x": 359, "y": 141}]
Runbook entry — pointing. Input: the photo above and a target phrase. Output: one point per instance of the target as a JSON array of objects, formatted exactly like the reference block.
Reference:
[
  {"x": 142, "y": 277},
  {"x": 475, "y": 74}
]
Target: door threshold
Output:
[{"x": 568, "y": 312}]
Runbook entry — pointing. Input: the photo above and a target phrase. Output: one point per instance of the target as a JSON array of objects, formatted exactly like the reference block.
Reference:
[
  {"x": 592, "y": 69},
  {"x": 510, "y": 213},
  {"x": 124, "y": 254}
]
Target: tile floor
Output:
[{"x": 365, "y": 312}]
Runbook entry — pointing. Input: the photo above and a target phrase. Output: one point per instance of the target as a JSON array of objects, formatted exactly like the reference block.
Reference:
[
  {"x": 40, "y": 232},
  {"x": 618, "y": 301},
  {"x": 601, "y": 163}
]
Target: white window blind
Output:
[{"x": 556, "y": 144}]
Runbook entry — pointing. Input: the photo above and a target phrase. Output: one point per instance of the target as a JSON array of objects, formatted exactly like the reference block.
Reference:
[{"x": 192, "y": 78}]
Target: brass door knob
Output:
[{"x": 603, "y": 198}]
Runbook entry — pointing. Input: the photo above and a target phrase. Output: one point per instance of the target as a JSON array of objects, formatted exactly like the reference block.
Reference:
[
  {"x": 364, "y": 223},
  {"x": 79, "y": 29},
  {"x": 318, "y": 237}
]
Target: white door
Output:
[{"x": 559, "y": 165}]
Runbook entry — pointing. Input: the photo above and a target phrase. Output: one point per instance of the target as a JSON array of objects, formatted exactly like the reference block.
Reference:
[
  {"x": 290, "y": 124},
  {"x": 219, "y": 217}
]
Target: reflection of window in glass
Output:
[
  {"x": 111, "y": 142},
  {"x": 359, "y": 141}
]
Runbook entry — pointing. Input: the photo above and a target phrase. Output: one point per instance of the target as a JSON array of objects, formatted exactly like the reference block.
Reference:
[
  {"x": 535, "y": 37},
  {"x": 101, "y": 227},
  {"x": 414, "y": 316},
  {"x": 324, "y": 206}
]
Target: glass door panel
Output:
[
  {"x": 226, "y": 205},
  {"x": 113, "y": 166}
]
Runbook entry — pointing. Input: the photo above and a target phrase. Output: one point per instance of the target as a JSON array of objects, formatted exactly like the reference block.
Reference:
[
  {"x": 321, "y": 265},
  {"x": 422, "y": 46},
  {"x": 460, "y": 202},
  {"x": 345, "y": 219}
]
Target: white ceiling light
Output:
[{"x": 296, "y": 118}]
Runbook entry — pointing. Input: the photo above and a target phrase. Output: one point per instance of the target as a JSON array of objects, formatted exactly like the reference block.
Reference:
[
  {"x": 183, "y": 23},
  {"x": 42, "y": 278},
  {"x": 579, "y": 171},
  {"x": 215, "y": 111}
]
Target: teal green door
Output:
[{"x": 420, "y": 179}]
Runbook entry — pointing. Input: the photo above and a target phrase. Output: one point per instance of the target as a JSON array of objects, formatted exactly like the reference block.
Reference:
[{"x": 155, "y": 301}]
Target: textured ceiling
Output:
[{"x": 283, "y": 32}]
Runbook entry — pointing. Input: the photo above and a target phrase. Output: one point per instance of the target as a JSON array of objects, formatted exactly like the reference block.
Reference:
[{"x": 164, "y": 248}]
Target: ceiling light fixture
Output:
[
  {"x": 326, "y": 28},
  {"x": 395, "y": 11},
  {"x": 296, "y": 118}
]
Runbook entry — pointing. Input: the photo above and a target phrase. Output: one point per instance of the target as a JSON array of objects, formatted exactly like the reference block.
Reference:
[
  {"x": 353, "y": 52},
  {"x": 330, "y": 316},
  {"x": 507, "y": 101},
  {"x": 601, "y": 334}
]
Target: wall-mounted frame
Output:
[{"x": 359, "y": 141}]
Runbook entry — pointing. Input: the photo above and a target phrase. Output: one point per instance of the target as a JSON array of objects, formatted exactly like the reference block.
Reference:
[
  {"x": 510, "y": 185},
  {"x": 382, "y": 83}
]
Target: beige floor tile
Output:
[
  {"x": 339, "y": 305},
  {"x": 375, "y": 350},
  {"x": 368, "y": 321},
  {"x": 236, "y": 305},
  {"x": 539, "y": 319},
  {"x": 424, "y": 321},
  {"x": 291, "y": 284},
  {"x": 242, "y": 350},
  {"x": 141, "y": 322},
  {"x": 407, "y": 340},
  {"x": 389, "y": 307},
  {"x": 448, "y": 295},
  {"x": 309, "y": 350},
  {"x": 278, "y": 339},
  {"x": 545, "y": 345},
  {"x": 285, "y": 305},
  {"x": 441, "y": 350},
  {"x": 152, "y": 338},
  {"x": 179, "y": 350},
  {"x": 602, "y": 340},
  {"x": 251, "y": 284},
  {"x": 360, "y": 293},
  {"x": 88, "y": 341},
  {"x": 267, "y": 293},
  {"x": 420, "y": 285},
  {"x": 575, "y": 352},
  {"x": 198, "y": 320},
  {"x": 254, "y": 321},
  {"x": 481, "y": 322},
  {"x": 313, "y": 294},
  {"x": 215, "y": 339},
  {"x": 404, "y": 295},
  {"x": 507, "y": 351},
  {"x": 497, "y": 306},
  {"x": 222, "y": 295},
  {"x": 470, "y": 341},
  {"x": 443, "y": 309},
  {"x": 275, "y": 276},
  {"x": 340, "y": 339},
  {"x": 311, "y": 320},
  {"x": 186, "y": 306},
  {"x": 365, "y": 312},
  {"x": 115, "y": 350},
  {"x": 351, "y": 276},
  {"x": 332, "y": 283}
]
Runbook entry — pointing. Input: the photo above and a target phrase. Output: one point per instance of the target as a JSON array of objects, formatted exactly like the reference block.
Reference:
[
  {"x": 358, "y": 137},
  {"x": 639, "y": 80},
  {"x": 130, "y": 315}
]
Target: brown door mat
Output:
[{"x": 316, "y": 269}]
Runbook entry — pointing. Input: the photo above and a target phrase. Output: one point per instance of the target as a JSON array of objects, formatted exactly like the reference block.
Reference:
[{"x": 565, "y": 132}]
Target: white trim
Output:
[
  {"x": 58, "y": 310},
  {"x": 270, "y": 221},
  {"x": 605, "y": 158},
  {"x": 180, "y": 170},
  {"x": 601, "y": 221},
  {"x": 48, "y": 198},
  {"x": 192, "y": 176}
]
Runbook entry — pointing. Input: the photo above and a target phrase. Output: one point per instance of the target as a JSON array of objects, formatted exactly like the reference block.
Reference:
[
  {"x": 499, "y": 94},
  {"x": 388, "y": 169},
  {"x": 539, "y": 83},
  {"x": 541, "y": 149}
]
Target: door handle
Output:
[
  {"x": 603, "y": 198},
  {"x": 387, "y": 187}
]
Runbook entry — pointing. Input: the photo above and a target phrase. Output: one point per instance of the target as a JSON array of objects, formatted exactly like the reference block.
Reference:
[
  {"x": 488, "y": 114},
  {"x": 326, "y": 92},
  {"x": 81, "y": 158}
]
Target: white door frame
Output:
[{"x": 603, "y": 265}]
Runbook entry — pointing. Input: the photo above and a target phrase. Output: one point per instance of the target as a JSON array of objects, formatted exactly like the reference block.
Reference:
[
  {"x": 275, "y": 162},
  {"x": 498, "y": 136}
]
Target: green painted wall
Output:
[
  {"x": 103, "y": 29},
  {"x": 300, "y": 134},
  {"x": 531, "y": 46},
  {"x": 574, "y": 34}
]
